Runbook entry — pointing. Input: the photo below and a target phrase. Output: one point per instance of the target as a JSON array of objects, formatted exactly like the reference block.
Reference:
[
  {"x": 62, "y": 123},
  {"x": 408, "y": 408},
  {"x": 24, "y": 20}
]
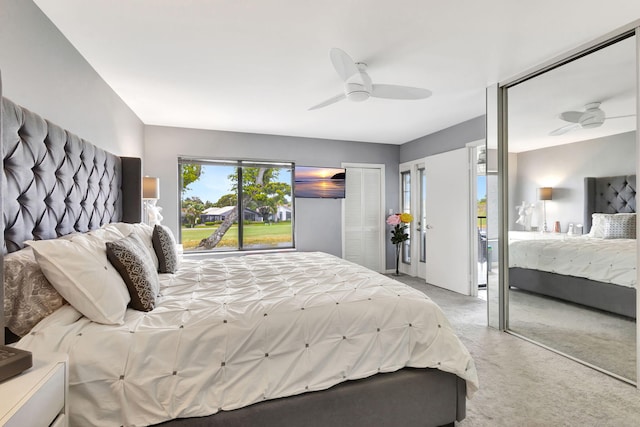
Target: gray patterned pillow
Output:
[
  {"x": 134, "y": 264},
  {"x": 28, "y": 295},
  {"x": 165, "y": 246},
  {"x": 620, "y": 227}
]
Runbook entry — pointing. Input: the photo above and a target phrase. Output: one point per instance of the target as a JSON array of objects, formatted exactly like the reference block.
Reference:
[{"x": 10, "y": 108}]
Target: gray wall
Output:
[
  {"x": 43, "y": 72},
  {"x": 318, "y": 221},
  {"x": 445, "y": 140},
  {"x": 564, "y": 168}
]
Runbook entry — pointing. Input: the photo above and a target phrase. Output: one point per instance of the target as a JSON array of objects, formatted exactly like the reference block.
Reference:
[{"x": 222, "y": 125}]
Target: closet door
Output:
[{"x": 363, "y": 217}]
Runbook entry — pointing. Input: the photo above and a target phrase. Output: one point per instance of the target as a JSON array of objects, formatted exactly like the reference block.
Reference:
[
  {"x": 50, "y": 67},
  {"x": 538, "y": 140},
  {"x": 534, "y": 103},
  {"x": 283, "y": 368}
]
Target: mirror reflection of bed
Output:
[
  {"x": 583, "y": 285},
  {"x": 575, "y": 292}
]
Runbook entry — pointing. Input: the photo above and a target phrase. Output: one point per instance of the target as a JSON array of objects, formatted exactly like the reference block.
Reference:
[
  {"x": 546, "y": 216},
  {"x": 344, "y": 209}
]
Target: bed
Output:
[
  {"x": 284, "y": 338},
  {"x": 598, "y": 269}
]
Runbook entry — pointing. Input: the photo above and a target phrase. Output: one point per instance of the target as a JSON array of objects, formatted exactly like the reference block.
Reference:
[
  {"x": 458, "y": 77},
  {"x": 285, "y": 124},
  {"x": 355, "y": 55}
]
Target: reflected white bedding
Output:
[
  {"x": 602, "y": 260},
  {"x": 230, "y": 332}
]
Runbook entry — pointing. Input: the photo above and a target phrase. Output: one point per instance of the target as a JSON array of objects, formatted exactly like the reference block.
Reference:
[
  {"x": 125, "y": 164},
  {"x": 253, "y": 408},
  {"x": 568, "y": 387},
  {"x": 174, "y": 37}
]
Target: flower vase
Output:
[{"x": 397, "y": 259}]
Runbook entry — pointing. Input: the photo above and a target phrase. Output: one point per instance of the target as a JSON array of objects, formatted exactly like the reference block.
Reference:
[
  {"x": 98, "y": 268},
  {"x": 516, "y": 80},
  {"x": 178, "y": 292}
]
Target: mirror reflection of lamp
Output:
[
  {"x": 150, "y": 196},
  {"x": 544, "y": 194}
]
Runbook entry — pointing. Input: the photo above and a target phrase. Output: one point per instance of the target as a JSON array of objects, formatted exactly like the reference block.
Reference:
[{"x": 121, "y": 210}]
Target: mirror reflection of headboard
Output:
[{"x": 609, "y": 194}]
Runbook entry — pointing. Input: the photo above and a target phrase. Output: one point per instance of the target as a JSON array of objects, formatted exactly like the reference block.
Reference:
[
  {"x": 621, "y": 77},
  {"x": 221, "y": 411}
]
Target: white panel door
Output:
[
  {"x": 363, "y": 222},
  {"x": 447, "y": 219}
]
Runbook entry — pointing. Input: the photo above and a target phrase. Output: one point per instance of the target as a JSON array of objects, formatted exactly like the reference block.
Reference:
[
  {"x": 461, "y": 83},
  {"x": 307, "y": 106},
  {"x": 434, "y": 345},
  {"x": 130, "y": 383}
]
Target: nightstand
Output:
[{"x": 38, "y": 396}]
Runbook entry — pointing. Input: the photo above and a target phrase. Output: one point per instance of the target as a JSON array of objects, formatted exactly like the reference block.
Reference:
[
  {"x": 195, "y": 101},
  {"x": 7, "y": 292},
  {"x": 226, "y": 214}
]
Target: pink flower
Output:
[{"x": 393, "y": 219}]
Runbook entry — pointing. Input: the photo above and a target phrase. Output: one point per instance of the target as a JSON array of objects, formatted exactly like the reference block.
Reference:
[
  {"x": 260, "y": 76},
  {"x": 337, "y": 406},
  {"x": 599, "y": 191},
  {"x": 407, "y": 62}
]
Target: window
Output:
[{"x": 211, "y": 201}]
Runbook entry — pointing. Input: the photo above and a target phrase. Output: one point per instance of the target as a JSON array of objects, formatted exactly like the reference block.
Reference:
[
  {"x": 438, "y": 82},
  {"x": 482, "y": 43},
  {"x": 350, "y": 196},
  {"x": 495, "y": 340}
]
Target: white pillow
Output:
[
  {"x": 143, "y": 231},
  {"x": 598, "y": 221},
  {"x": 597, "y": 225},
  {"x": 78, "y": 268}
]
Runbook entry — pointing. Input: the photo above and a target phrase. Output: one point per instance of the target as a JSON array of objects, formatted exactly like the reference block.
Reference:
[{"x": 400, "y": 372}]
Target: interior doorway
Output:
[
  {"x": 481, "y": 250},
  {"x": 435, "y": 191}
]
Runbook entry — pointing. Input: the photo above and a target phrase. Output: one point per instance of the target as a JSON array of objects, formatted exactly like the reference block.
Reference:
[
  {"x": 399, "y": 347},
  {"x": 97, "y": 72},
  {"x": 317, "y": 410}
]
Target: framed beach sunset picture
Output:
[{"x": 315, "y": 182}]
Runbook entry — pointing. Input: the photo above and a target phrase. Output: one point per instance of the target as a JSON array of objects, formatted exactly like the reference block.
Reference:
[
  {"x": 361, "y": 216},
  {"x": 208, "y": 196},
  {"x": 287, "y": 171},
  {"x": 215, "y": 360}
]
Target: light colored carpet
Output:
[{"x": 522, "y": 384}]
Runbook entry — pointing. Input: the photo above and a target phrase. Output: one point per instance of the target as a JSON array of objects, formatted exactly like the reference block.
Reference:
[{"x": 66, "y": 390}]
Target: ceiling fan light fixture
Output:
[
  {"x": 358, "y": 95},
  {"x": 591, "y": 125},
  {"x": 592, "y": 118}
]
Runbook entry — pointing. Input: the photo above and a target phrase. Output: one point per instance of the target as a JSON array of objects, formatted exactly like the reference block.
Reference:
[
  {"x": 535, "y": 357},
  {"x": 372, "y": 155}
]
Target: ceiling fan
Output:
[
  {"x": 358, "y": 86},
  {"x": 592, "y": 117}
]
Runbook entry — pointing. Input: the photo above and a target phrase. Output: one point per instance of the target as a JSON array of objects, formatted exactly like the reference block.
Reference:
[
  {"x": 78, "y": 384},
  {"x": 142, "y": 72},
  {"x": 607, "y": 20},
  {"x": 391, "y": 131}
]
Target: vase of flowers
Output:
[{"x": 399, "y": 233}]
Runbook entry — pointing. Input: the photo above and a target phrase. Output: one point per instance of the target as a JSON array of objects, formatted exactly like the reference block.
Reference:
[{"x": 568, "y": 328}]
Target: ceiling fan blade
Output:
[
  {"x": 399, "y": 92},
  {"x": 344, "y": 65},
  {"x": 564, "y": 129},
  {"x": 329, "y": 101},
  {"x": 620, "y": 117},
  {"x": 571, "y": 116}
]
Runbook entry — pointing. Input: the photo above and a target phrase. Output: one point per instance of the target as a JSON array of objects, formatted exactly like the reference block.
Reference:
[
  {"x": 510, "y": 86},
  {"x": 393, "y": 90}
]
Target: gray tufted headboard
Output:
[
  {"x": 609, "y": 194},
  {"x": 55, "y": 183}
]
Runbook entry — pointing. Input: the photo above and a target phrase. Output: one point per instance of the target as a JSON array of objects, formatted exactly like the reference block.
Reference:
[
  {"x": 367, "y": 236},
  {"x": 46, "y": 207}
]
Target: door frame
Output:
[{"x": 383, "y": 203}]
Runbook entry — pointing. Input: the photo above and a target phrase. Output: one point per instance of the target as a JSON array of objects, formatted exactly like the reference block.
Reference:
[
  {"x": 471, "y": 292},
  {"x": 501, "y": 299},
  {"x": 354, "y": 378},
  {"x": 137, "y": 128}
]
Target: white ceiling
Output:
[{"x": 257, "y": 66}]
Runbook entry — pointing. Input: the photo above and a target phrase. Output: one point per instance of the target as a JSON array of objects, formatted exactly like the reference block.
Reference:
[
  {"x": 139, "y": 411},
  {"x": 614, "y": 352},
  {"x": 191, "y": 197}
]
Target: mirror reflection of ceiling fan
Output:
[
  {"x": 358, "y": 86},
  {"x": 592, "y": 117}
]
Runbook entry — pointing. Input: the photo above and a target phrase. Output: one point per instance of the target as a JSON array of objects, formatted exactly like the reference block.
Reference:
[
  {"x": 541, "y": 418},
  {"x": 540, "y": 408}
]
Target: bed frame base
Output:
[
  {"x": 409, "y": 397},
  {"x": 615, "y": 299}
]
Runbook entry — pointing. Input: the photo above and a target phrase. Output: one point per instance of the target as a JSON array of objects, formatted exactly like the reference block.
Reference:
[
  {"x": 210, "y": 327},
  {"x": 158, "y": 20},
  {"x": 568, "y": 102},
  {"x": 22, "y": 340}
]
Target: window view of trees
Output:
[{"x": 211, "y": 200}]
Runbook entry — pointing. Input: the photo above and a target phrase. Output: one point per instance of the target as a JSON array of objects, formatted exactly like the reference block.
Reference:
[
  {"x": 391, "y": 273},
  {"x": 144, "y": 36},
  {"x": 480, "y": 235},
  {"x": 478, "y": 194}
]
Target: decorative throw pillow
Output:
[
  {"x": 77, "y": 266},
  {"x": 28, "y": 295},
  {"x": 621, "y": 226},
  {"x": 598, "y": 221},
  {"x": 143, "y": 231},
  {"x": 165, "y": 246},
  {"x": 134, "y": 264}
]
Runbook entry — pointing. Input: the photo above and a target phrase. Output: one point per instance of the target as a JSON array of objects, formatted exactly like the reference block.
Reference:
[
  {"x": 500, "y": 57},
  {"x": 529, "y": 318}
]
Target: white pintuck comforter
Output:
[
  {"x": 230, "y": 332},
  {"x": 602, "y": 260}
]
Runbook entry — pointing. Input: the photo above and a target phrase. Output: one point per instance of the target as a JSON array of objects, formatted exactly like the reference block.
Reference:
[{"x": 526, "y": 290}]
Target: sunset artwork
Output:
[{"x": 315, "y": 182}]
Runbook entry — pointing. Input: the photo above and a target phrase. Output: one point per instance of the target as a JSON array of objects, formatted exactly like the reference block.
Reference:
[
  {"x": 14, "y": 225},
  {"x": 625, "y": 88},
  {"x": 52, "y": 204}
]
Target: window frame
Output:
[{"x": 239, "y": 164}]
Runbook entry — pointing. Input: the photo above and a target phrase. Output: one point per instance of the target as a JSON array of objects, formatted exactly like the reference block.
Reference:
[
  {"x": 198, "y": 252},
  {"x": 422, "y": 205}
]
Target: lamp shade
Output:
[
  {"x": 544, "y": 193},
  {"x": 150, "y": 188}
]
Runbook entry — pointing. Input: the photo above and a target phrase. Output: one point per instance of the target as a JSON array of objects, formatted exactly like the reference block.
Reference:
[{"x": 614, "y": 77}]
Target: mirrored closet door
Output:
[{"x": 571, "y": 143}]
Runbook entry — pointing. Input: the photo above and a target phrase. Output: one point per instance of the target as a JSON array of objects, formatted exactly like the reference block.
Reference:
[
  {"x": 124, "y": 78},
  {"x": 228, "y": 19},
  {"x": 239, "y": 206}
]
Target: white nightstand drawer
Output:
[
  {"x": 45, "y": 405},
  {"x": 36, "y": 397}
]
